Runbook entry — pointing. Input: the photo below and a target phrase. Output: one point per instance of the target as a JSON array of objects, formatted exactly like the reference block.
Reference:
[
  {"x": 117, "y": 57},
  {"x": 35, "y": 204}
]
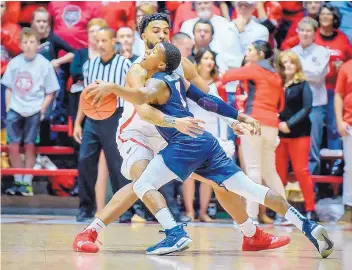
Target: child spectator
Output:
[{"x": 31, "y": 82}]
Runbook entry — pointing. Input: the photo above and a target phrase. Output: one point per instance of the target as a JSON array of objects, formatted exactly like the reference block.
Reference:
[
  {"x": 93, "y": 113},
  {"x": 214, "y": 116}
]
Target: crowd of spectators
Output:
[{"x": 45, "y": 45}]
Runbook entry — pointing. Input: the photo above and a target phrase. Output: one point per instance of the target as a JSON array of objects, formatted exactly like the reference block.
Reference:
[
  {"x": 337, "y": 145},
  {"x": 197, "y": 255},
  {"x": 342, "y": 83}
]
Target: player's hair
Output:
[
  {"x": 198, "y": 58},
  {"x": 180, "y": 36},
  {"x": 29, "y": 32},
  {"x": 97, "y": 21},
  {"x": 335, "y": 13},
  {"x": 172, "y": 57},
  {"x": 308, "y": 21},
  {"x": 204, "y": 21},
  {"x": 299, "y": 75},
  {"x": 150, "y": 18},
  {"x": 41, "y": 10},
  {"x": 109, "y": 30}
]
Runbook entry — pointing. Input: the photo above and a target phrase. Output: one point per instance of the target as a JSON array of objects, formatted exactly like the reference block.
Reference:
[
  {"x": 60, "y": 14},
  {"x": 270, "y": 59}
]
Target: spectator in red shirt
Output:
[
  {"x": 188, "y": 11},
  {"x": 312, "y": 9},
  {"x": 70, "y": 20},
  {"x": 118, "y": 14},
  {"x": 343, "y": 111}
]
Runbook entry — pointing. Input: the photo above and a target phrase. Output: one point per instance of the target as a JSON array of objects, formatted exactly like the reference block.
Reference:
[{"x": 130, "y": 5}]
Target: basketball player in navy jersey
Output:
[{"x": 166, "y": 91}]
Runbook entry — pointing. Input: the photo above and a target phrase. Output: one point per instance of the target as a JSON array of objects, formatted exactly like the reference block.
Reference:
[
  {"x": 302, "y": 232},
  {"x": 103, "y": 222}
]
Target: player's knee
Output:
[{"x": 142, "y": 186}]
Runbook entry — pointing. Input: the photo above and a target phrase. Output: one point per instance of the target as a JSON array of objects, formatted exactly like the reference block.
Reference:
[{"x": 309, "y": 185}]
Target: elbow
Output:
[{"x": 142, "y": 97}]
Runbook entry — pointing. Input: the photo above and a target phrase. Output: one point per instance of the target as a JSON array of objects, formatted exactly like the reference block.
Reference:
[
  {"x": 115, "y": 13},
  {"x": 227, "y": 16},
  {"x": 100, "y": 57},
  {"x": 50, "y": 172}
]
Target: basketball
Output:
[{"x": 104, "y": 111}]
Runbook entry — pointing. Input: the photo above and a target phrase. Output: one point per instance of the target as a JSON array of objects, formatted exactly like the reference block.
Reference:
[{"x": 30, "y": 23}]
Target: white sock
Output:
[
  {"x": 97, "y": 224},
  {"x": 18, "y": 178},
  {"x": 165, "y": 218},
  {"x": 248, "y": 228},
  {"x": 295, "y": 217},
  {"x": 28, "y": 179}
]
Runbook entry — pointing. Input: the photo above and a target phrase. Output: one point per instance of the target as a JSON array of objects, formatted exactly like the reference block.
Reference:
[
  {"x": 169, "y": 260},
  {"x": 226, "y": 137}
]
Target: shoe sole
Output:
[
  {"x": 186, "y": 244},
  {"x": 321, "y": 234},
  {"x": 272, "y": 246}
]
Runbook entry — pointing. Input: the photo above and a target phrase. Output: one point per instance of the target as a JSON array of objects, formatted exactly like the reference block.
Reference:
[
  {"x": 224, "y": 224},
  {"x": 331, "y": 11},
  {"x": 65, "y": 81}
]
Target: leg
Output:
[
  {"x": 88, "y": 166},
  {"x": 317, "y": 234},
  {"x": 188, "y": 190},
  {"x": 102, "y": 180},
  {"x": 205, "y": 192},
  {"x": 317, "y": 118},
  {"x": 282, "y": 159},
  {"x": 251, "y": 149},
  {"x": 299, "y": 151}
]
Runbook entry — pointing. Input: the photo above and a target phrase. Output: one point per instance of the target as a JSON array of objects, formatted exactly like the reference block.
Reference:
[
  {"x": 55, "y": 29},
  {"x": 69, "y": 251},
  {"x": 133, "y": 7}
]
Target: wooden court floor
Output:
[{"x": 43, "y": 242}]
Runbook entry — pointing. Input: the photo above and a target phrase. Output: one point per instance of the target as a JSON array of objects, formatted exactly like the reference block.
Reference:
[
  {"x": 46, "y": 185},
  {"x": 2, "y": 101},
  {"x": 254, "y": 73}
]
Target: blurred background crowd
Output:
[{"x": 304, "y": 104}]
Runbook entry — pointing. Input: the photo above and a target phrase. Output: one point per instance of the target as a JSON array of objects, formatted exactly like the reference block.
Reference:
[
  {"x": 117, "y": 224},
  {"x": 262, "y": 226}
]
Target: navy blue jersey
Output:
[
  {"x": 184, "y": 154},
  {"x": 176, "y": 105}
]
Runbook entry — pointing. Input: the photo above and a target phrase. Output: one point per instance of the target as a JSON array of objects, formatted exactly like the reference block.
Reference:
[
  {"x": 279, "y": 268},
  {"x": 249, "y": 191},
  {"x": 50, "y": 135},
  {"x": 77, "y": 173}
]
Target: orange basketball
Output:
[{"x": 104, "y": 111}]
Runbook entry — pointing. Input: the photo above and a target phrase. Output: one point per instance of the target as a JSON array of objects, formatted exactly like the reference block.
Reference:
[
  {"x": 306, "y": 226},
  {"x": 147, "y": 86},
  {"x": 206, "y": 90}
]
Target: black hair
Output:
[
  {"x": 204, "y": 21},
  {"x": 152, "y": 17},
  {"x": 180, "y": 35},
  {"x": 263, "y": 46},
  {"x": 198, "y": 59},
  {"x": 172, "y": 57},
  {"x": 337, "y": 16}
]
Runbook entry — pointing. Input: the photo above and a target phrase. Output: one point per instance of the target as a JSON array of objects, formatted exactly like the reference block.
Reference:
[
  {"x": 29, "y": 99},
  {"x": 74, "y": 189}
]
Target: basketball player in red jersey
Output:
[{"x": 137, "y": 146}]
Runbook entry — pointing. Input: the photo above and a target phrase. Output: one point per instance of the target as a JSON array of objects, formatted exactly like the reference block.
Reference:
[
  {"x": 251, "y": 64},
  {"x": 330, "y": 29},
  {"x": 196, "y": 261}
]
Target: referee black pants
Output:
[{"x": 99, "y": 135}]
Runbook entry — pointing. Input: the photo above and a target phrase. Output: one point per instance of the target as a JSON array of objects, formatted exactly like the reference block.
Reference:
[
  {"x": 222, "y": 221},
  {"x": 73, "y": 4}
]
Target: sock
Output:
[
  {"x": 295, "y": 217},
  {"x": 28, "y": 179},
  {"x": 248, "y": 228},
  {"x": 18, "y": 178},
  {"x": 97, "y": 224},
  {"x": 165, "y": 218}
]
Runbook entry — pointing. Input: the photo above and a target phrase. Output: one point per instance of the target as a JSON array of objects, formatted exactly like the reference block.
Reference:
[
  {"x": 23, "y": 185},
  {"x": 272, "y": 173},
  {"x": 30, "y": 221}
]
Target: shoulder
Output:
[
  {"x": 18, "y": 59},
  {"x": 217, "y": 18},
  {"x": 40, "y": 59},
  {"x": 136, "y": 71},
  {"x": 258, "y": 27}
]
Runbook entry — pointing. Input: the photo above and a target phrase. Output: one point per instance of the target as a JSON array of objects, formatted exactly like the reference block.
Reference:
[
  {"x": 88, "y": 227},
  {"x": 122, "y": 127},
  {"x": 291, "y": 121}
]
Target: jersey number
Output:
[{"x": 178, "y": 87}]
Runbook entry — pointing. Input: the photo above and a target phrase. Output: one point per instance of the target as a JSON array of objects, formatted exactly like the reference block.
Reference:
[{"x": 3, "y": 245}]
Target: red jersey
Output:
[
  {"x": 70, "y": 20},
  {"x": 292, "y": 10},
  {"x": 344, "y": 88},
  {"x": 10, "y": 43},
  {"x": 119, "y": 14}
]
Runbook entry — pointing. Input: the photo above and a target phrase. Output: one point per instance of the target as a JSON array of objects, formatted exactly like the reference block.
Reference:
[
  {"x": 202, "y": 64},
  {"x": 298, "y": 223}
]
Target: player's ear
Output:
[
  {"x": 143, "y": 37},
  {"x": 162, "y": 66}
]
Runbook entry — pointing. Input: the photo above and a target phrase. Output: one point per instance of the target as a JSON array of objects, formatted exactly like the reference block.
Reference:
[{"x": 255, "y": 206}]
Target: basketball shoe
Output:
[
  {"x": 318, "y": 235},
  {"x": 85, "y": 241},
  {"x": 263, "y": 241},
  {"x": 176, "y": 240}
]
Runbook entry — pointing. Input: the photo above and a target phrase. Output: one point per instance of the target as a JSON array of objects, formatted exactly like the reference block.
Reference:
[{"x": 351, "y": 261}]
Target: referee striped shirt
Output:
[{"x": 114, "y": 71}]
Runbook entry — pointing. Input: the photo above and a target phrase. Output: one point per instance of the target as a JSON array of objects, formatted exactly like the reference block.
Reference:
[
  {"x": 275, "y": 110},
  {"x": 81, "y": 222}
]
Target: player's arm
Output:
[
  {"x": 214, "y": 104},
  {"x": 191, "y": 74}
]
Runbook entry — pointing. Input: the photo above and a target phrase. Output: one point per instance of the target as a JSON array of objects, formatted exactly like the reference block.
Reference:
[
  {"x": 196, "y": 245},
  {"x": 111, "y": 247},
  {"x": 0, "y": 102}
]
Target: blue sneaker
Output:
[
  {"x": 176, "y": 240},
  {"x": 318, "y": 235}
]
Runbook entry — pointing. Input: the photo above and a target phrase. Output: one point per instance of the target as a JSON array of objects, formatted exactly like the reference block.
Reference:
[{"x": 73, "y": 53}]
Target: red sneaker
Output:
[
  {"x": 84, "y": 241},
  {"x": 262, "y": 241}
]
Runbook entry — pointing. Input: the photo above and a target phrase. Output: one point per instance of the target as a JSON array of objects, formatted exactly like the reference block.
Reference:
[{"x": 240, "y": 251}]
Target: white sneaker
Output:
[
  {"x": 331, "y": 153},
  {"x": 46, "y": 163},
  {"x": 38, "y": 165}
]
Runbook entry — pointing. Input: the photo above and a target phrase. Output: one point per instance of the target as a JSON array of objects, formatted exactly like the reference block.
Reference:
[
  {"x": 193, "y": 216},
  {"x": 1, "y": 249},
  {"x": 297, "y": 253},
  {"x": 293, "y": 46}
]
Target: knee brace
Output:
[{"x": 143, "y": 185}]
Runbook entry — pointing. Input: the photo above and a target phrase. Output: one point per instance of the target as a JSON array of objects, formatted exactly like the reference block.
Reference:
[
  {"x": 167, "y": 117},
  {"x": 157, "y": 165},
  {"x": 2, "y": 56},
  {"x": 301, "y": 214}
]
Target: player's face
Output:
[
  {"x": 244, "y": 9},
  {"x": 105, "y": 43},
  {"x": 41, "y": 22},
  {"x": 312, "y": 7},
  {"x": 326, "y": 18},
  {"x": 92, "y": 34},
  {"x": 306, "y": 35},
  {"x": 252, "y": 54},
  {"x": 290, "y": 67},
  {"x": 154, "y": 59},
  {"x": 207, "y": 63},
  {"x": 125, "y": 36},
  {"x": 29, "y": 46},
  {"x": 202, "y": 34},
  {"x": 156, "y": 31}
]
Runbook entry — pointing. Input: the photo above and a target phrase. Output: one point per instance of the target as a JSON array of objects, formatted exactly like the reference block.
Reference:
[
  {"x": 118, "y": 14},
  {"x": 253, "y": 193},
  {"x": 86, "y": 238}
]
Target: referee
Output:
[{"x": 100, "y": 134}]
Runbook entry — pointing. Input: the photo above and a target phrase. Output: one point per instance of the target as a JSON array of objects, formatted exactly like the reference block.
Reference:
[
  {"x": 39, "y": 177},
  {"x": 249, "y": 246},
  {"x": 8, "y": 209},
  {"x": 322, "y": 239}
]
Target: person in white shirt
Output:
[
  {"x": 315, "y": 60},
  {"x": 204, "y": 11},
  {"x": 31, "y": 85}
]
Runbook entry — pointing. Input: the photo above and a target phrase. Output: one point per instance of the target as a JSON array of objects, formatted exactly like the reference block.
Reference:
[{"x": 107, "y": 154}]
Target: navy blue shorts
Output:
[
  {"x": 20, "y": 128},
  {"x": 203, "y": 155}
]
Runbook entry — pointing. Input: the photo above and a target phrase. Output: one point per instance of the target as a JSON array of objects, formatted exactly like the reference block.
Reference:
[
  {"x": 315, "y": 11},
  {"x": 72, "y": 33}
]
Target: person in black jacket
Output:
[{"x": 294, "y": 128}]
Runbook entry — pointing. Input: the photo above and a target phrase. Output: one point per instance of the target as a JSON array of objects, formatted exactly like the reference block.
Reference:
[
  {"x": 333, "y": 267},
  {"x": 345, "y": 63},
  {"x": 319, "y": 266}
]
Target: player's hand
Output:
[
  {"x": 241, "y": 128},
  {"x": 342, "y": 128},
  {"x": 77, "y": 133},
  {"x": 98, "y": 90},
  {"x": 283, "y": 127},
  {"x": 243, "y": 118},
  {"x": 190, "y": 126}
]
